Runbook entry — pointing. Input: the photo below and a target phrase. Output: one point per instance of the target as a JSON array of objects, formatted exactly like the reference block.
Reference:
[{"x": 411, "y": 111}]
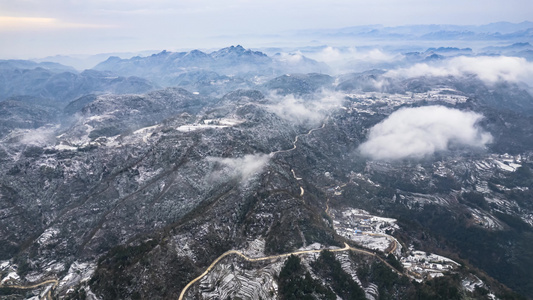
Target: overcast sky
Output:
[{"x": 36, "y": 28}]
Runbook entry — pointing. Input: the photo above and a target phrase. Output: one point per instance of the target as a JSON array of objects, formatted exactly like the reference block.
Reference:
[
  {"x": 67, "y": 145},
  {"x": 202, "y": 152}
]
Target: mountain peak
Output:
[
  {"x": 238, "y": 48},
  {"x": 236, "y": 51},
  {"x": 196, "y": 53},
  {"x": 162, "y": 53}
]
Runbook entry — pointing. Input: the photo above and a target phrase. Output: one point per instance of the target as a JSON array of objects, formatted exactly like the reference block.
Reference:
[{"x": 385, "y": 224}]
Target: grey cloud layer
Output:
[{"x": 422, "y": 131}]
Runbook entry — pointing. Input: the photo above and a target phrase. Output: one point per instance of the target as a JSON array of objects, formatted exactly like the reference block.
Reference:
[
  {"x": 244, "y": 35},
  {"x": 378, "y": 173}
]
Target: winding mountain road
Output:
[
  {"x": 346, "y": 247},
  {"x": 272, "y": 257},
  {"x": 302, "y": 191},
  {"x": 36, "y": 285},
  {"x": 296, "y": 141},
  {"x": 294, "y": 146},
  {"x": 55, "y": 283}
]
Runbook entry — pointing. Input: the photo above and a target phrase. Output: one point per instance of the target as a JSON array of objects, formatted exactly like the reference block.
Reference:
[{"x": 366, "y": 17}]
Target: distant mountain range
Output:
[
  {"x": 219, "y": 72},
  {"x": 84, "y": 61},
  {"x": 56, "y": 85},
  {"x": 494, "y": 31},
  {"x": 167, "y": 68},
  {"x": 397, "y": 37}
]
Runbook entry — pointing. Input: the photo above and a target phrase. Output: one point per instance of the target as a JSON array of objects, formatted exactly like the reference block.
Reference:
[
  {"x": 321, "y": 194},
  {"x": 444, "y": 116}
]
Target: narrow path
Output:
[
  {"x": 296, "y": 140},
  {"x": 302, "y": 191},
  {"x": 294, "y": 175}
]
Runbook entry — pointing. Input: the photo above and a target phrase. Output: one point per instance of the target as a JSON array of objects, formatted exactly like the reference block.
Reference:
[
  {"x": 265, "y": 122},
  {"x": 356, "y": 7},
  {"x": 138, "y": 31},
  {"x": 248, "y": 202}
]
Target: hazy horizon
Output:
[{"x": 35, "y": 29}]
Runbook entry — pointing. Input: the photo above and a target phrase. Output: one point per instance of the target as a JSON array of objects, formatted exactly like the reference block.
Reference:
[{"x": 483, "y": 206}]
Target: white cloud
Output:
[
  {"x": 306, "y": 111},
  {"x": 291, "y": 58},
  {"x": 342, "y": 55},
  {"x": 243, "y": 167},
  {"x": 352, "y": 59},
  {"x": 422, "y": 131},
  {"x": 487, "y": 68},
  {"x": 331, "y": 54},
  {"x": 296, "y": 110},
  {"x": 38, "y": 137}
]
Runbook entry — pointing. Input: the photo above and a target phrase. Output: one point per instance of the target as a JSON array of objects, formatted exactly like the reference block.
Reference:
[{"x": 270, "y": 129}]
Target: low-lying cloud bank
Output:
[
  {"x": 422, "y": 131},
  {"x": 343, "y": 60},
  {"x": 487, "y": 68},
  {"x": 334, "y": 55},
  {"x": 243, "y": 167}
]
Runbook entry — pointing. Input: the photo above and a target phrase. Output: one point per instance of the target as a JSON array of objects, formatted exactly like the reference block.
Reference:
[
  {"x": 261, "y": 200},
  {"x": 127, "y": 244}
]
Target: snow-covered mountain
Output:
[{"x": 412, "y": 182}]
